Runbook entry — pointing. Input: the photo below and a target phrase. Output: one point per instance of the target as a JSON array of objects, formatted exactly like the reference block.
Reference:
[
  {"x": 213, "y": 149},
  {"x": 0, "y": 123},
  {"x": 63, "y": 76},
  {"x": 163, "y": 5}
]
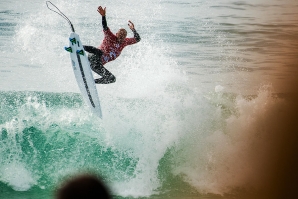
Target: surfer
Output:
[{"x": 109, "y": 49}]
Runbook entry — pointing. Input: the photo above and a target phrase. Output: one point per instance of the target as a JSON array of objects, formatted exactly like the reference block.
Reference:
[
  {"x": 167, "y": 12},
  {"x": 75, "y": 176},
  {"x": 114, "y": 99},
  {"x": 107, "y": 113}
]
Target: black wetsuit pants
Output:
[{"x": 94, "y": 56}]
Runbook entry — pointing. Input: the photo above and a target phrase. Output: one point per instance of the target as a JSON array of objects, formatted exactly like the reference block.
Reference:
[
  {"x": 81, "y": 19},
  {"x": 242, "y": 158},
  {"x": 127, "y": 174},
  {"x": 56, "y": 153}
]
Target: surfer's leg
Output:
[
  {"x": 107, "y": 76},
  {"x": 97, "y": 67},
  {"x": 93, "y": 50},
  {"x": 94, "y": 57}
]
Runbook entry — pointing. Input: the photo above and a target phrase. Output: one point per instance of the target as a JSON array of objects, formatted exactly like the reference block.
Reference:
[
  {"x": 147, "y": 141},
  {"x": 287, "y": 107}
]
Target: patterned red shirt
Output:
[{"x": 111, "y": 47}]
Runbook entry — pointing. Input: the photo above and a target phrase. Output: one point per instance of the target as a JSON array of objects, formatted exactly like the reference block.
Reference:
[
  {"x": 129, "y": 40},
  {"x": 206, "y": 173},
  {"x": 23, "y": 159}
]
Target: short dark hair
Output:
[{"x": 84, "y": 186}]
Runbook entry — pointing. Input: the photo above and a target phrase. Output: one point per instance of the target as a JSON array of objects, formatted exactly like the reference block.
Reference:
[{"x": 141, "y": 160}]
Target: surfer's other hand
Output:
[
  {"x": 101, "y": 11},
  {"x": 131, "y": 25}
]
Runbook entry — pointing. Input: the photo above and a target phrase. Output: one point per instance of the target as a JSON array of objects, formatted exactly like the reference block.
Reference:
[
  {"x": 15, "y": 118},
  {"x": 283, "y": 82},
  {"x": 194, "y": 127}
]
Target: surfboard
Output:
[{"x": 83, "y": 74}]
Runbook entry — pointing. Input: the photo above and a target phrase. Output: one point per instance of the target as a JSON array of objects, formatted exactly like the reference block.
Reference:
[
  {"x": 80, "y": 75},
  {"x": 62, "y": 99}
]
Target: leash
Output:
[{"x": 61, "y": 14}]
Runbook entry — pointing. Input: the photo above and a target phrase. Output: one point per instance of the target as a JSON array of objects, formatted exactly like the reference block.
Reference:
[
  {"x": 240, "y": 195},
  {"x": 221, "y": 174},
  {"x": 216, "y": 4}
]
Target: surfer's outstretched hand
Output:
[
  {"x": 131, "y": 25},
  {"x": 101, "y": 11}
]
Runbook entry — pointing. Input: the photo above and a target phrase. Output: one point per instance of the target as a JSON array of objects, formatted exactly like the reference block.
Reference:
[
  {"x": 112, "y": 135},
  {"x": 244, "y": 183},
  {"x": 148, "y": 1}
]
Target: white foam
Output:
[{"x": 17, "y": 176}]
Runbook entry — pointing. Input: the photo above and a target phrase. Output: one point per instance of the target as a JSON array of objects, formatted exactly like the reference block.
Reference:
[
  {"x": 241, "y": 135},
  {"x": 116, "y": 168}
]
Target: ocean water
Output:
[{"x": 197, "y": 110}]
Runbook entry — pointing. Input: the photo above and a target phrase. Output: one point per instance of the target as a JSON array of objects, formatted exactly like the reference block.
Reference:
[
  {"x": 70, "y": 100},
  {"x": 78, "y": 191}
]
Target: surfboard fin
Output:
[
  {"x": 68, "y": 49},
  {"x": 73, "y": 40},
  {"x": 80, "y": 52}
]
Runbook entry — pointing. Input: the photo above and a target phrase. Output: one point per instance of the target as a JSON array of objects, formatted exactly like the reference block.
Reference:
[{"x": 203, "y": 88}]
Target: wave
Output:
[{"x": 201, "y": 144}]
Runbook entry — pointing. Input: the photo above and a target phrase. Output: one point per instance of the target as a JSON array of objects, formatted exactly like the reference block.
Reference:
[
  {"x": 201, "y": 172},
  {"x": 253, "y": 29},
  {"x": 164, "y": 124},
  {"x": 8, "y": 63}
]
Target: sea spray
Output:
[{"x": 236, "y": 148}]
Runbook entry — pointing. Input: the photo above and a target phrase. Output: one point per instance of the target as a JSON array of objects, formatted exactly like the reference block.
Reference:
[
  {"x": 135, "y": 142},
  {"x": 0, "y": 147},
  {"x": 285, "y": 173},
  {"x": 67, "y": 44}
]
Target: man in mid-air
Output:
[{"x": 109, "y": 49}]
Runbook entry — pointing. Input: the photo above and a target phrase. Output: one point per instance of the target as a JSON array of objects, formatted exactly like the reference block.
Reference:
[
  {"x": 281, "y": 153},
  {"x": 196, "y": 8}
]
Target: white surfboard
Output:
[{"x": 83, "y": 73}]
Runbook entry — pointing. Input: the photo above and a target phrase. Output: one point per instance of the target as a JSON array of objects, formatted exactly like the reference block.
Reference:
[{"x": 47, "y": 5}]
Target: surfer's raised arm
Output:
[
  {"x": 102, "y": 12},
  {"x": 135, "y": 34}
]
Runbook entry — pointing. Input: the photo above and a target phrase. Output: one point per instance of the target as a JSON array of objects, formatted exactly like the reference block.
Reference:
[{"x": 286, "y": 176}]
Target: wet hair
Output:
[{"x": 83, "y": 187}]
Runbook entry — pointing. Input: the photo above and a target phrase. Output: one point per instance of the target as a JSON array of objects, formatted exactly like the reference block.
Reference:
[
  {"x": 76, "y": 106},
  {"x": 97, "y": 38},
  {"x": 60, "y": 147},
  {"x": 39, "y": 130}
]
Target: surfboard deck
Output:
[{"x": 81, "y": 68}]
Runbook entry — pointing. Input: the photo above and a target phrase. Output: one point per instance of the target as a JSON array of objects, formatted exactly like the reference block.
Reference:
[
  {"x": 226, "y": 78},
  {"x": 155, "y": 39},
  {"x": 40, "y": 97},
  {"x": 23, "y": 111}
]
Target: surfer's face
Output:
[{"x": 121, "y": 34}]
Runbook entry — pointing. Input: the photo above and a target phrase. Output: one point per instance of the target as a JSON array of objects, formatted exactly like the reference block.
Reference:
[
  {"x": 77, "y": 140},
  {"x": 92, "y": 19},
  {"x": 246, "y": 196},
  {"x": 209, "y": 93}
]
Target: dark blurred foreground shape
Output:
[
  {"x": 84, "y": 186},
  {"x": 283, "y": 166},
  {"x": 279, "y": 176}
]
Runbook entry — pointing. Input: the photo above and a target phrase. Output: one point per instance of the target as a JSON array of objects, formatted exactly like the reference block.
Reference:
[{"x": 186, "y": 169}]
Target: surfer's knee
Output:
[{"x": 112, "y": 79}]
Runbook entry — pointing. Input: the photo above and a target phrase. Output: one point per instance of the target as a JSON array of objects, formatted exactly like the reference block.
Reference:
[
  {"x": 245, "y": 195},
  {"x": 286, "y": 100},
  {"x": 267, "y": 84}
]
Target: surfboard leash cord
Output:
[{"x": 61, "y": 14}]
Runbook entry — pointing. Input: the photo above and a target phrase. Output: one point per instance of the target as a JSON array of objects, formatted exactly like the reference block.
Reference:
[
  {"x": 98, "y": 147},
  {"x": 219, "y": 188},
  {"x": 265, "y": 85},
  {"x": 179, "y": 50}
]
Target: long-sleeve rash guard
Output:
[{"x": 110, "y": 45}]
